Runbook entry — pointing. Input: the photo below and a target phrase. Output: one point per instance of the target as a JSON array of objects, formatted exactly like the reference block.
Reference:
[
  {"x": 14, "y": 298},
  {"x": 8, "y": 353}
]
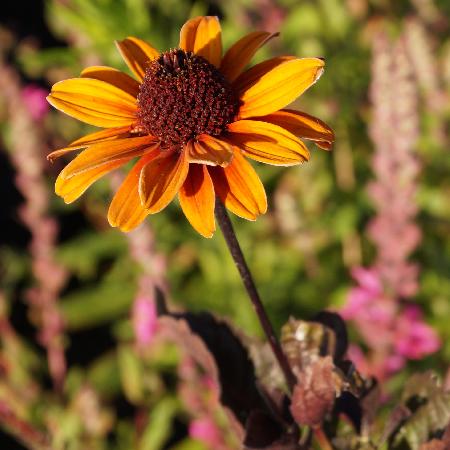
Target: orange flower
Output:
[{"x": 190, "y": 117}]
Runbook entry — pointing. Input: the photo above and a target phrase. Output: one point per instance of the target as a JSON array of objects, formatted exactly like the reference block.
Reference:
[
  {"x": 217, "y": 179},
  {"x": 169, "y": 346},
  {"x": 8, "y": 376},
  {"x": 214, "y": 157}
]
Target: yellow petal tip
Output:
[
  {"x": 66, "y": 200},
  {"x": 319, "y": 73},
  {"x": 49, "y": 99}
]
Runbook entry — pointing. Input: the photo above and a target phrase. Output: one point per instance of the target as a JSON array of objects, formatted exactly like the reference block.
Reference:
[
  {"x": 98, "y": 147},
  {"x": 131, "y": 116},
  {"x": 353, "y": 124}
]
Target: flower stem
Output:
[
  {"x": 23, "y": 431},
  {"x": 322, "y": 439},
  {"x": 238, "y": 257}
]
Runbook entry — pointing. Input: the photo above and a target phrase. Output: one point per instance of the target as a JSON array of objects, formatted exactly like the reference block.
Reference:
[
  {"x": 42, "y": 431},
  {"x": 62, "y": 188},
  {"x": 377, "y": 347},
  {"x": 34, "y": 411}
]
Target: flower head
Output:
[{"x": 190, "y": 117}]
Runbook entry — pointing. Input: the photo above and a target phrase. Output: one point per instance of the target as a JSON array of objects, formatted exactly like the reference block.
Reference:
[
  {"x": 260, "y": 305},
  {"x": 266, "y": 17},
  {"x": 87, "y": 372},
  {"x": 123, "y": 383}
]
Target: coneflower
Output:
[{"x": 190, "y": 117}]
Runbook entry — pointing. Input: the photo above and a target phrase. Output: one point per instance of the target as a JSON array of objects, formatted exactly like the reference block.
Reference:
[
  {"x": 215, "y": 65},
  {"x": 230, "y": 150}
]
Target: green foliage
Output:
[
  {"x": 430, "y": 412},
  {"x": 300, "y": 252}
]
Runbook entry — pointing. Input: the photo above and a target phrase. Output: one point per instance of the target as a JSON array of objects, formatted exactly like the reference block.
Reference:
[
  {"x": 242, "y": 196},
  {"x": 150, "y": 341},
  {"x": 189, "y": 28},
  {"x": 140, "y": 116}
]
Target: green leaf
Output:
[
  {"x": 159, "y": 427},
  {"x": 131, "y": 374},
  {"x": 430, "y": 407},
  {"x": 96, "y": 305},
  {"x": 189, "y": 444},
  {"x": 82, "y": 254},
  {"x": 104, "y": 375}
]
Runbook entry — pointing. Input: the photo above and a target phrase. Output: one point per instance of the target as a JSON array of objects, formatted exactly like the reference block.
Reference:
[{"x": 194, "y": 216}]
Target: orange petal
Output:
[
  {"x": 324, "y": 145},
  {"x": 240, "y": 54},
  {"x": 209, "y": 150},
  {"x": 280, "y": 86},
  {"x": 85, "y": 141},
  {"x": 302, "y": 125},
  {"x": 161, "y": 179},
  {"x": 126, "y": 210},
  {"x": 70, "y": 189},
  {"x": 252, "y": 75},
  {"x": 137, "y": 54},
  {"x": 106, "y": 152},
  {"x": 94, "y": 101},
  {"x": 102, "y": 135},
  {"x": 197, "y": 200},
  {"x": 268, "y": 143},
  {"x": 188, "y": 33},
  {"x": 113, "y": 76},
  {"x": 203, "y": 36},
  {"x": 239, "y": 188}
]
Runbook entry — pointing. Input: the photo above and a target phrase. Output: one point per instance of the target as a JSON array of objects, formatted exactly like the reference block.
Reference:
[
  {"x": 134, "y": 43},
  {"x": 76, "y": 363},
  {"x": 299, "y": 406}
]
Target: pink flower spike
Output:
[
  {"x": 414, "y": 338},
  {"x": 393, "y": 364},
  {"x": 368, "y": 279},
  {"x": 206, "y": 431},
  {"x": 358, "y": 301},
  {"x": 145, "y": 320},
  {"x": 34, "y": 98}
]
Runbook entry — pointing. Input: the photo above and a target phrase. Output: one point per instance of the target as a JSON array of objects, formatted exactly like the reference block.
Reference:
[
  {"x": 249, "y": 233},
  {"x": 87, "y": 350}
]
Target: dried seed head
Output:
[{"x": 182, "y": 96}]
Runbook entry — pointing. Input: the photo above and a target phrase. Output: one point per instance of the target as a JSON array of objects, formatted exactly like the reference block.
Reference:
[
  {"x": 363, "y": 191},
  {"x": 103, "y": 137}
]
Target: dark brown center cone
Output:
[{"x": 182, "y": 96}]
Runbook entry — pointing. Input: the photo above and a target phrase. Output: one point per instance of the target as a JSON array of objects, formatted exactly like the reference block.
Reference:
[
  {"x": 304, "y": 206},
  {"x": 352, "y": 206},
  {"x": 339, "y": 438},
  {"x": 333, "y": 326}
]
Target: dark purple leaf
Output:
[{"x": 236, "y": 371}]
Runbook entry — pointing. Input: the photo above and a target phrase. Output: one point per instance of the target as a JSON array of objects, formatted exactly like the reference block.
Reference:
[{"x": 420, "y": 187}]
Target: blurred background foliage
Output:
[{"x": 300, "y": 252}]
